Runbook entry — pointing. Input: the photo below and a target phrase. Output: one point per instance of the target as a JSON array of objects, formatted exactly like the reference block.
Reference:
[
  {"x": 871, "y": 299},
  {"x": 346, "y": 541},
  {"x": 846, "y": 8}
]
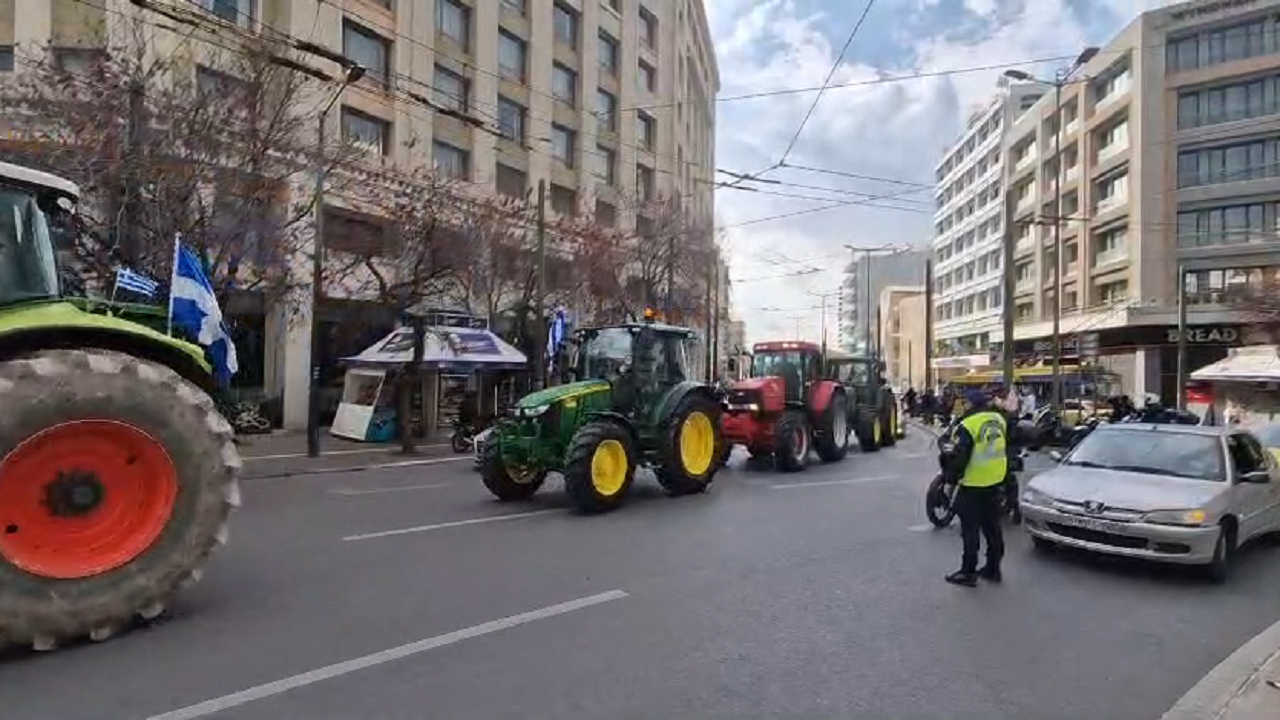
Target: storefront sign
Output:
[
  {"x": 1210, "y": 8},
  {"x": 1211, "y": 335},
  {"x": 472, "y": 343},
  {"x": 961, "y": 362}
]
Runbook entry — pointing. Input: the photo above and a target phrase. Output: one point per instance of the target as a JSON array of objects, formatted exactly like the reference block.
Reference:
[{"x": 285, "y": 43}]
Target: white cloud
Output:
[{"x": 893, "y": 129}]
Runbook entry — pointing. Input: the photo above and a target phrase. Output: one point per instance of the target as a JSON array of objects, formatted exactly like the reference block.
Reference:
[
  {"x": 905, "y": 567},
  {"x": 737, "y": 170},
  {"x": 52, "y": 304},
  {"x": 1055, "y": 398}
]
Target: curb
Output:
[
  {"x": 298, "y": 472},
  {"x": 1213, "y": 696}
]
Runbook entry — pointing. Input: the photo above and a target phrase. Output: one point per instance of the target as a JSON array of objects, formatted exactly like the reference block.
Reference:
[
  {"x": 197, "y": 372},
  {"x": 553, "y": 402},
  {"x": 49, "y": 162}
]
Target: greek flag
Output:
[
  {"x": 135, "y": 282},
  {"x": 194, "y": 308}
]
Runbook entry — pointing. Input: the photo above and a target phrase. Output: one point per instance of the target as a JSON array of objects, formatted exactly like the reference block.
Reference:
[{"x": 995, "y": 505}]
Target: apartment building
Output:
[
  {"x": 603, "y": 100},
  {"x": 903, "y": 320},
  {"x": 865, "y": 277},
  {"x": 1168, "y": 159},
  {"x": 969, "y": 231}
]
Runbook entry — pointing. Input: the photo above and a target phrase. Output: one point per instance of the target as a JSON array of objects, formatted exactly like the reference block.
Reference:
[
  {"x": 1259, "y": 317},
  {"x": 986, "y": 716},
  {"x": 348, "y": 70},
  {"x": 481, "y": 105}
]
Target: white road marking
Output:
[
  {"x": 356, "y": 468},
  {"x": 820, "y": 483},
  {"x": 277, "y": 687},
  {"x": 332, "y": 453},
  {"x": 378, "y": 491},
  {"x": 924, "y": 527},
  {"x": 912, "y": 455},
  {"x": 442, "y": 526}
]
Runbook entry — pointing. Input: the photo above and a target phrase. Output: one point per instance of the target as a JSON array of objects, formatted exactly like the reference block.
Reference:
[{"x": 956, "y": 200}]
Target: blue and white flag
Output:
[
  {"x": 555, "y": 336},
  {"x": 135, "y": 282},
  {"x": 194, "y": 308}
]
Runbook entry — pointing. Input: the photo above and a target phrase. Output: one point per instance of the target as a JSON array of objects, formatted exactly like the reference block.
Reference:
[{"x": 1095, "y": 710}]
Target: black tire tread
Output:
[
  {"x": 496, "y": 479},
  {"x": 829, "y": 447},
  {"x": 577, "y": 467},
  {"x": 669, "y": 470},
  {"x": 785, "y": 459},
  {"x": 48, "y": 383}
]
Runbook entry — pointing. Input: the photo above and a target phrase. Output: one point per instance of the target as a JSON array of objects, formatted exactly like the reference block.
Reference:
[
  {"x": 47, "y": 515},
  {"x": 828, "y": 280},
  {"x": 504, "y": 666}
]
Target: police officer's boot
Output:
[{"x": 990, "y": 573}]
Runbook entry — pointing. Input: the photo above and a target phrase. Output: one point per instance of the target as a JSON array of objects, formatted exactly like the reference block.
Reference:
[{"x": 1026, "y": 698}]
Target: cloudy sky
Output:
[{"x": 893, "y": 130}]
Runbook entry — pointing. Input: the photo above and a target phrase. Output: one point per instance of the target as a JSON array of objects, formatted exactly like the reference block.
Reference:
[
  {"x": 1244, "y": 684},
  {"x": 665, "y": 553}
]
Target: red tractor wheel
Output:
[{"x": 792, "y": 438}]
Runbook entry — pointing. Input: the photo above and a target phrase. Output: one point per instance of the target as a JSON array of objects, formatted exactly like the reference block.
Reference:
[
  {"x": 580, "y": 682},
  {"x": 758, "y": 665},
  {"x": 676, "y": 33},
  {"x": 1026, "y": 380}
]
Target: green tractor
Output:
[
  {"x": 117, "y": 471},
  {"x": 630, "y": 403},
  {"x": 873, "y": 412}
]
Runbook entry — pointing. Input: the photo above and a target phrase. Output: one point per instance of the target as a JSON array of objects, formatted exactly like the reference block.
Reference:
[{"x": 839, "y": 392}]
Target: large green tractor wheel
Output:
[
  {"x": 832, "y": 437},
  {"x": 890, "y": 415},
  {"x": 870, "y": 431},
  {"x": 506, "y": 482},
  {"x": 600, "y": 466},
  {"x": 688, "y": 449},
  {"x": 117, "y": 476}
]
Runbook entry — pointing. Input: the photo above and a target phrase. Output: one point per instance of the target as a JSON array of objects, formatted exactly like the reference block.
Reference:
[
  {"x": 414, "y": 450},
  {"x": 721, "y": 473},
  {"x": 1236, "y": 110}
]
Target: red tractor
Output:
[{"x": 786, "y": 408}]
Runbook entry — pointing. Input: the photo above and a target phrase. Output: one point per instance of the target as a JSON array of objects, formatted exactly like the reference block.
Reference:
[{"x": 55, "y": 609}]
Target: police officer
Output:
[{"x": 981, "y": 462}]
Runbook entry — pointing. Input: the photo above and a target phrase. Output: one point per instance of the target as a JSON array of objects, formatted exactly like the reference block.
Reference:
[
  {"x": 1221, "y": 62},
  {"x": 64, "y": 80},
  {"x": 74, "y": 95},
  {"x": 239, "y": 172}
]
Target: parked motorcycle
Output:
[
  {"x": 940, "y": 496},
  {"x": 463, "y": 439}
]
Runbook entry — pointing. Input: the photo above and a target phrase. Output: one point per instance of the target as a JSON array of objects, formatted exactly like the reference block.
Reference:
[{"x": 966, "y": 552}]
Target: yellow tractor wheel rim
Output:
[
  {"x": 875, "y": 431},
  {"x": 697, "y": 443},
  {"x": 609, "y": 467}
]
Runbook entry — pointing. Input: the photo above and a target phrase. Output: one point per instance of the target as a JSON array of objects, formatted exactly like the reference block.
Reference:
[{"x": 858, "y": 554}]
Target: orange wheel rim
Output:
[{"x": 83, "y": 498}]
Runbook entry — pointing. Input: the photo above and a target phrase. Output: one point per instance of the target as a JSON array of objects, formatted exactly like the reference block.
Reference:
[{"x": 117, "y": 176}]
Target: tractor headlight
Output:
[{"x": 536, "y": 410}]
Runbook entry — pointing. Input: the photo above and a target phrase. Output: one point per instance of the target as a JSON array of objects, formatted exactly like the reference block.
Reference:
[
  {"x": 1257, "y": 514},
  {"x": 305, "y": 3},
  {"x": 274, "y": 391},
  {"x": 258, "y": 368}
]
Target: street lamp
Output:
[
  {"x": 823, "y": 297},
  {"x": 353, "y": 74},
  {"x": 1060, "y": 79},
  {"x": 863, "y": 309}
]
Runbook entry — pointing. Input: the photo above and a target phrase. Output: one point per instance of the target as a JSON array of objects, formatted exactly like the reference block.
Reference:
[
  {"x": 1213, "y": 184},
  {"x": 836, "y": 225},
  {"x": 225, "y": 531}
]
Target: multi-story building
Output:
[
  {"x": 903, "y": 320},
  {"x": 865, "y": 277},
  {"x": 1169, "y": 159},
  {"x": 969, "y": 231},
  {"x": 603, "y": 100}
]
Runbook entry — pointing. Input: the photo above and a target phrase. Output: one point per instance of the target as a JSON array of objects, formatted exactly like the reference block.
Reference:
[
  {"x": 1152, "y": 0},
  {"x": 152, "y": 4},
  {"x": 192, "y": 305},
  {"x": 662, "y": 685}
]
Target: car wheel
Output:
[{"x": 1224, "y": 551}]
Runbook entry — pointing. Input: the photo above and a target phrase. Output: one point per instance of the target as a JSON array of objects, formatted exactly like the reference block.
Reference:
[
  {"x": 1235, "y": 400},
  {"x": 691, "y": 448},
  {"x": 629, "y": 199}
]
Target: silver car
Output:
[{"x": 1174, "y": 493}]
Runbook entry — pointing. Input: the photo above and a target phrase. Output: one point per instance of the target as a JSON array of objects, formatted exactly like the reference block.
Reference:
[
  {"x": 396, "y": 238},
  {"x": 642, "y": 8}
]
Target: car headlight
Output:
[
  {"x": 1185, "y": 518},
  {"x": 536, "y": 410},
  {"x": 1031, "y": 496}
]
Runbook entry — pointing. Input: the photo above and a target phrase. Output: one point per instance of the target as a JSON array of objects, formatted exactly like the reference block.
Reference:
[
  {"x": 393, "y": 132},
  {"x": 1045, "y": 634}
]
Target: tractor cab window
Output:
[
  {"x": 603, "y": 355},
  {"x": 673, "y": 361},
  {"x": 780, "y": 363},
  {"x": 28, "y": 266},
  {"x": 853, "y": 373}
]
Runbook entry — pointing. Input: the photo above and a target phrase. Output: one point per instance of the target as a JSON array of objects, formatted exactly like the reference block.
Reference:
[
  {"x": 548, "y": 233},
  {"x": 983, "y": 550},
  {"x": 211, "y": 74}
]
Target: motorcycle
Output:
[
  {"x": 463, "y": 439},
  {"x": 939, "y": 502}
]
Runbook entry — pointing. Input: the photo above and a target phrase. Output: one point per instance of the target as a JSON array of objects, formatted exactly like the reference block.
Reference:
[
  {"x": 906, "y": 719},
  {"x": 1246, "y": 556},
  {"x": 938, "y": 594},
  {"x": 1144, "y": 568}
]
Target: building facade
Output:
[
  {"x": 609, "y": 102},
  {"x": 1168, "y": 162},
  {"x": 969, "y": 231},
  {"x": 865, "y": 277},
  {"x": 903, "y": 320}
]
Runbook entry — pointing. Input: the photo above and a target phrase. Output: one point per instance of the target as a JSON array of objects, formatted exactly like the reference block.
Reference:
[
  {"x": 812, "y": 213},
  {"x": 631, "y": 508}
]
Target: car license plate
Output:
[{"x": 1094, "y": 524}]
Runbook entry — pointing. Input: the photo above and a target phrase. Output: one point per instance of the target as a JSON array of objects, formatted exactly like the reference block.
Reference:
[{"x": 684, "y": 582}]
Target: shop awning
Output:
[
  {"x": 1260, "y": 363},
  {"x": 446, "y": 348}
]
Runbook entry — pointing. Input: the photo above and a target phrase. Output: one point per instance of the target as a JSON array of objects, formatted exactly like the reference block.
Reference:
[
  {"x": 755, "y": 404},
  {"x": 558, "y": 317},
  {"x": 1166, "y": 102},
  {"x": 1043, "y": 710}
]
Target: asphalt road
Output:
[{"x": 818, "y": 593}]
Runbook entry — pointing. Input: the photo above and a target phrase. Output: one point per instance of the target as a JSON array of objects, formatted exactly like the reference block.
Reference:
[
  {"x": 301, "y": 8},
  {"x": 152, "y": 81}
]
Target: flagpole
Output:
[
  {"x": 173, "y": 274},
  {"x": 114, "y": 288}
]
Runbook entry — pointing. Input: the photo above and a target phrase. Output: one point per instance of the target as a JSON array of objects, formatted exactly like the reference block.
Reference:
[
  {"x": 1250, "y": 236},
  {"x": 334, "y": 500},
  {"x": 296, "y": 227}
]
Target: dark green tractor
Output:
[
  {"x": 631, "y": 403},
  {"x": 873, "y": 412}
]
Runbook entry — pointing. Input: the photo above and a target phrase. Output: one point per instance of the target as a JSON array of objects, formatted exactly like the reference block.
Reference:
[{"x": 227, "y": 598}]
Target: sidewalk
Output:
[{"x": 1245, "y": 686}]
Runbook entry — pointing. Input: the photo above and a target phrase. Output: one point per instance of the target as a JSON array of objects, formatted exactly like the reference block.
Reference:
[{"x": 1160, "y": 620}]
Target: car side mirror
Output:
[
  {"x": 1056, "y": 456},
  {"x": 1258, "y": 477}
]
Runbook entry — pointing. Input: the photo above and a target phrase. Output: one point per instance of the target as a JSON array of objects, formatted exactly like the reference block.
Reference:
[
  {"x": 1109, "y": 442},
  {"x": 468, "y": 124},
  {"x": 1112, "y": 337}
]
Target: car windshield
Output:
[
  {"x": 1155, "y": 452},
  {"x": 605, "y": 352},
  {"x": 28, "y": 268}
]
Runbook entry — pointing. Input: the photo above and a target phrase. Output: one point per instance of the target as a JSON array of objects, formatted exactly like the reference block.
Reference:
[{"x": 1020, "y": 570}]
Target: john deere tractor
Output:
[
  {"x": 631, "y": 403},
  {"x": 117, "y": 472},
  {"x": 873, "y": 414}
]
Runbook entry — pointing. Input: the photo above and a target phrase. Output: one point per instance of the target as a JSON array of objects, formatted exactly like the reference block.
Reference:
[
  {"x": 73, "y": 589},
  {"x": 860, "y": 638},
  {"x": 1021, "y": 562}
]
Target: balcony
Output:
[
  {"x": 1118, "y": 88},
  {"x": 1114, "y": 255},
  {"x": 1025, "y": 244},
  {"x": 1111, "y": 203},
  {"x": 1072, "y": 127},
  {"x": 1111, "y": 151},
  {"x": 1072, "y": 174},
  {"x": 1024, "y": 285},
  {"x": 1025, "y": 161}
]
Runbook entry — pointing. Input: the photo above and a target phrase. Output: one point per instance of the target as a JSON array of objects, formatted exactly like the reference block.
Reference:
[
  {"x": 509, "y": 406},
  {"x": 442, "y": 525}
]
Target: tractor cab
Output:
[
  {"x": 798, "y": 364},
  {"x": 37, "y": 211}
]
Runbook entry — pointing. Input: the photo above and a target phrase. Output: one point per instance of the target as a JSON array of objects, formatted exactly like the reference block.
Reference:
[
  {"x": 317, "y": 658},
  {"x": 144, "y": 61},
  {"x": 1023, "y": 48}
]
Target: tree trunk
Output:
[{"x": 411, "y": 383}]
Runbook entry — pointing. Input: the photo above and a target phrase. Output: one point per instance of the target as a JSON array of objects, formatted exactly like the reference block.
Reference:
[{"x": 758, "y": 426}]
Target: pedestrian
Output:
[{"x": 980, "y": 463}]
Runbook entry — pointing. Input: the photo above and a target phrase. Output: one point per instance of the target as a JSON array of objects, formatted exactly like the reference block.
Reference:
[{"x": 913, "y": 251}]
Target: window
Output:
[
  {"x": 608, "y": 53},
  {"x": 648, "y": 28},
  {"x": 1246, "y": 454},
  {"x": 1112, "y": 191},
  {"x": 564, "y": 84},
  {"x": 1213, "y": 47},
  {"x": 1229, "y": 225},
  {"x": 1229, "y": 163},
  {"x": 212, "y": 83},
  {"x": 514, "y": 5},
  {"x": 451, "y": 89},
  {"x": 78, "y": 61},
  {"x": 511, "y": 119},
  {"x": 345, "y": 231},
  {"x": 1111, "y": 245},
  {"x": 453, "y": 20},
  {"x": 646, "y": 131},
  {"x": 646, "y": 79},
  {"x": 511, "y": 57},
  {"x": 606, "y": 111},
  {"x": 562, "y": 144},
  {"x": 644, "y": 182},
  {"x": 451, "y": 162},
  {"x": 606, "y": 214},
  {"x": 1113, "y": 293},
  {"x": 369, "y": 49},
  {"x": 614, "y": 5},
  {"x": 564, "y": 201},
  {"x": 1229, "y": 103},
  {"x": 366, "y": 132},
  {"x": 606, "y": 165},
  {"x": 511, "y": 182},
  {"x": 564, "y": 21},
  {"x": 238, "y": 12},
  {"x": 6, "y": 58},
  {"x": 1113, "y": 139}
]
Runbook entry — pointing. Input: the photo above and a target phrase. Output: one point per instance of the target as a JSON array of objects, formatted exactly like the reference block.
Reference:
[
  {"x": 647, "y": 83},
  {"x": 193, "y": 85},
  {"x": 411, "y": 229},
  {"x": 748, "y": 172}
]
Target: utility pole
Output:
[
  {"x": 866, "y": 307},
  {"x": 1181, "y": 390},
  {"x": 928, "y": 323},
  {"x": 1009, "y": 282},
  {"x": 715, "y": 328},
  {"x": 540, "y": 374},
  {"x": 134, "y": 147},
  {"x": 710, "y": 371},
  {"x": 1059, "y": 79}
]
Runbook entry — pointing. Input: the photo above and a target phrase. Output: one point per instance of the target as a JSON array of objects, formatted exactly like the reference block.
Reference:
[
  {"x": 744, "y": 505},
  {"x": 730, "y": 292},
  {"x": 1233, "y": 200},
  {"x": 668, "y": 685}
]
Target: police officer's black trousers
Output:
[{"x": 979, "y": 511}]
